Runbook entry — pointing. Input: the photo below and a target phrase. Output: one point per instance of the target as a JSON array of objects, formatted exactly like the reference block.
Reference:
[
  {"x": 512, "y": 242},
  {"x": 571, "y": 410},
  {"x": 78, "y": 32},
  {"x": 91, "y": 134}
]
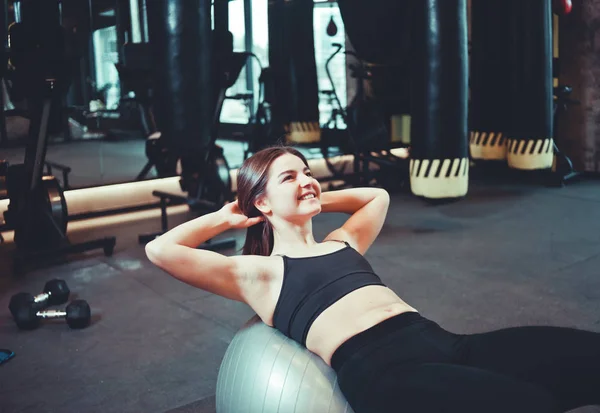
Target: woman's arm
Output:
[
  {"x": 195, "y": 232},
  {"x": 368, "y": 207},
  {"x": 349, "y": 200},
  {"x": 176, "y": 253}
]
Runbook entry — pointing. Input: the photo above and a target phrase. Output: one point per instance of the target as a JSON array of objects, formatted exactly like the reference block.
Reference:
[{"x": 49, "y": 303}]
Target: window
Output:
[
  {"x": 259, "y": 43},
  {"x": 324, "y": 13},
  {"x": 107, "y": 87},
  {"x": 260, "y": 31},
  {"x": 254, "y": 39},
  {"x": 234, "y": 110}
]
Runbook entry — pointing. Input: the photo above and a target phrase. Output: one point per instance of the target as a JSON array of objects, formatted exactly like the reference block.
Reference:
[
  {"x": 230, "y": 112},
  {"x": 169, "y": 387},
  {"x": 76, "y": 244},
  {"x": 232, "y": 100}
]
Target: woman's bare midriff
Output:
[{"x": 352, "y": 314}]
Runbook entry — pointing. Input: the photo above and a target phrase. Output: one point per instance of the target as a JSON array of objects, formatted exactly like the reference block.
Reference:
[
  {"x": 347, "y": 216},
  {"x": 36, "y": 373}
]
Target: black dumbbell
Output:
[
  {"x": 77, "y": 313},
  {"x": 56, "y": 292}
]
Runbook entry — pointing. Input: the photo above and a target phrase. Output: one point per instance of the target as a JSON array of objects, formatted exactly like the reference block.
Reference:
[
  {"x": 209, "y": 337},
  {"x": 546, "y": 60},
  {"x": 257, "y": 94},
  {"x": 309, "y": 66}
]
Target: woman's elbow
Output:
[
  {"x": 154, "y": 251},
  {"x": 384, "y": 195}
]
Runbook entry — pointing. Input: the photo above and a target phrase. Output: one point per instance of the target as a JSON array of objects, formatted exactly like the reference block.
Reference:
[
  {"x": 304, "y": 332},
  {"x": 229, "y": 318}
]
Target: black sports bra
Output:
[{"x": 312, "y": 284}]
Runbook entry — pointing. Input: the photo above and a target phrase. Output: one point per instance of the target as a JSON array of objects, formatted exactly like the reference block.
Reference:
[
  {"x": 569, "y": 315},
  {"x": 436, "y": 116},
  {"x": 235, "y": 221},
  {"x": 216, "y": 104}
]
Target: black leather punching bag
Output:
[
  {"x": 295, "y": 105},
  {"x": 379, "y": 31},
  {"x": 40, "y": 50},
  {"x": 439, "y": 165},
  {"x": 530, "y": 135},
  {"x": 490, "y": 85},
  {"x": 179, "y": 34}
]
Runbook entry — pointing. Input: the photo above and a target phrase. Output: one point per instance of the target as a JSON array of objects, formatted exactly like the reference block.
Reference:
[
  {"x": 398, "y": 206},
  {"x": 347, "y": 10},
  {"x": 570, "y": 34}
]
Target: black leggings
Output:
[{"x": 410, "y": 364}]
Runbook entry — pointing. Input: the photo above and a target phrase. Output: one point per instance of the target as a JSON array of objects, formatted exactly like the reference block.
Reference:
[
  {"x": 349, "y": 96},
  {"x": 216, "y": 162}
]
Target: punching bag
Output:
[
  {"x": 578, "y": 133},
  {"x": 439, "y": 165},
  {"x": 490, "y": 85},
  {"x": 530, "y": 131},
  {"x": 295, "y": 106},
  {"x": 39, "y": 50},
  {"x": 179, "y": 33},
  {"x": 379, "y": 31}
]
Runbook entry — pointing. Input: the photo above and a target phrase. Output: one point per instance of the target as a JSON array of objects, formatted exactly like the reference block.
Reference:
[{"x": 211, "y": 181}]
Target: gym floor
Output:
[{"x": 507, "y": 255}]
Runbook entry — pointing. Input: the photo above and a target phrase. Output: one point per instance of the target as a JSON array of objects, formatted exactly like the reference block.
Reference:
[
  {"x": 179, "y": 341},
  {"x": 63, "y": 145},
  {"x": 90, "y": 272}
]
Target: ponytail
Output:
[{"x": 259, "y": 239}]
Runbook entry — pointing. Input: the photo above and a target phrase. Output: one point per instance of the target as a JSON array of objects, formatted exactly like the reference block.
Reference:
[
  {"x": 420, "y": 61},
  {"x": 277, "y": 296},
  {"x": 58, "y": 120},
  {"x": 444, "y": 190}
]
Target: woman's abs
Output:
[{"x": 352, "y": 314}]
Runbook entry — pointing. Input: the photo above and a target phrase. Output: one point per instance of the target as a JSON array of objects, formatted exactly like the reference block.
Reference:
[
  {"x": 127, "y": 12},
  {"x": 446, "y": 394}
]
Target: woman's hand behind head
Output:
[{"x": 236, "y": 219}]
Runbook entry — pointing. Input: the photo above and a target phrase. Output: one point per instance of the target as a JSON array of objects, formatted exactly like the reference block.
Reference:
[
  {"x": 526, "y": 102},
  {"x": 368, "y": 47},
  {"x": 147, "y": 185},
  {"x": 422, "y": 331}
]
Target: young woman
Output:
[{"x": 325, "y": 295}]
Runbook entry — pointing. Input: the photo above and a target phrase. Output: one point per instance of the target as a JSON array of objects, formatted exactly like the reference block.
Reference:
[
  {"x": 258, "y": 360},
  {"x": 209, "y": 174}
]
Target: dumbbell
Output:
[
  {"x": 77, "y": 313},
  {"x": 56, "y": 292}
]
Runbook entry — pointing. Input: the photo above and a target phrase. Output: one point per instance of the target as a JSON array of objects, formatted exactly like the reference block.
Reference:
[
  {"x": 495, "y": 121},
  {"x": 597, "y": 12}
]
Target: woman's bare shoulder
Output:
[
  {"x": 256, "y": 268},
  {"x": 259, "y": 281}
]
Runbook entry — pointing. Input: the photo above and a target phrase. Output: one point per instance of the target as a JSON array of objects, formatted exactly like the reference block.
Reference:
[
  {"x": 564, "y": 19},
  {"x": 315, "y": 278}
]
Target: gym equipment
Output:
[
  {"x": 37, "y": 209},
  {"x": 6, "y": 355},
  {"x": 134, "y": 113},
  {"x": 562, "y": 7},
  {"x": 52, "y": 195},
  {"x": 135, "y": 74},
  {"x": 351, "y": 145},
  {"x": 562, "y": 167},
  {"x": 265, "y": 371},
  {"x": 490, "y": 87},
  {"x": 210, "y": 180},
  {"x": 264, "y": 131},
  {"x": 208, "y": 183},
  {"x": 530, "y": 72},
  {"x": 331, "y": 27},
  {"x": 50, "y": 198},
  {"x": 189, "y": 100},
  {"x": 439, "y": 165},
  {"x": 161, "y": 153},
  {"x": 367, "y": 135},
  {"x": 180, "y": 38},
  {"x": 40, "y": 48},
  {"x": 159, "y": 157},
  {"x": 292, "y": 61},
  {"x": 55, "y": 292},
  {"x": 77, "y": 314},
  {"x": 379, "y": 30}
]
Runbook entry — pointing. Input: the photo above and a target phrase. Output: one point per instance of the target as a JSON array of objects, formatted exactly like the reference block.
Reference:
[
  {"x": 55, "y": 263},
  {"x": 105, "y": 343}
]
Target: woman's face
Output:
[{"x": 292, "y": 192}]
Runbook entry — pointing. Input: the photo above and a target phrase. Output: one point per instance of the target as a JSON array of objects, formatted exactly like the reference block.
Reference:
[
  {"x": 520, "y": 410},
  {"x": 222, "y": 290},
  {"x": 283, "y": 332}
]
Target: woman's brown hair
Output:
[{"x": 252, "y": 180}]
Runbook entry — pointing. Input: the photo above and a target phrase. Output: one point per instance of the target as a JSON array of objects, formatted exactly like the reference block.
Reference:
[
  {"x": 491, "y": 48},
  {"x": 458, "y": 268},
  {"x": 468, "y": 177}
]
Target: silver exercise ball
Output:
[{"x": 264, "y": 371}]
